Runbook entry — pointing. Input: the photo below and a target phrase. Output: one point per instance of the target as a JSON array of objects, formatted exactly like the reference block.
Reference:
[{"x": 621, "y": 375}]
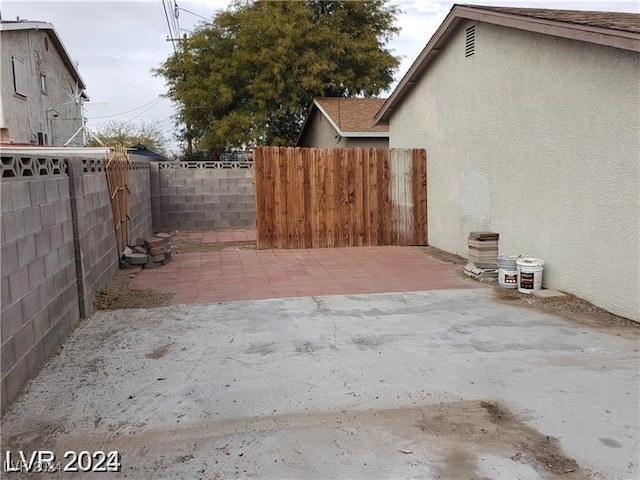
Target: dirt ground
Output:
[
  {"x": 568, "y": 306},
  {"x": 118, "y": 295}
]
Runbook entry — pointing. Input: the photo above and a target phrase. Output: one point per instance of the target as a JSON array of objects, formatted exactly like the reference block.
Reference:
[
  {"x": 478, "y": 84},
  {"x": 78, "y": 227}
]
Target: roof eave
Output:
[
  {"x": 602, "y": 36},
  {"x": 365, "y": 134}
]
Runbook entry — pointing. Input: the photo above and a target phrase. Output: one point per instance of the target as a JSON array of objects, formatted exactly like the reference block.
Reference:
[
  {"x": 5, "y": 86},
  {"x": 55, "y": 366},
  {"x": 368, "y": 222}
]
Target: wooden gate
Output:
[
  {"x": 118, "y": 170},
  {"x": 308, "y": 197}
]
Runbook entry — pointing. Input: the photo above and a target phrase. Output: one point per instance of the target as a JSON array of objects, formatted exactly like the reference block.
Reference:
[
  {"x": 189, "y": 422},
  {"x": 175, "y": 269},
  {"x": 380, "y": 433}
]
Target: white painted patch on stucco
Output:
[{"x": 475, "y": 196}]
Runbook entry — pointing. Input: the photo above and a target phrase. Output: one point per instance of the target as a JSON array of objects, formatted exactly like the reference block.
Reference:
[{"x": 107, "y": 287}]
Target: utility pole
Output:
[{"x": 184, "y": 42}]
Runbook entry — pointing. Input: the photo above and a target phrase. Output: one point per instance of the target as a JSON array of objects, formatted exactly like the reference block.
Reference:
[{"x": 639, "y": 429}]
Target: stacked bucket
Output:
[{"x": 523, "y": 273}]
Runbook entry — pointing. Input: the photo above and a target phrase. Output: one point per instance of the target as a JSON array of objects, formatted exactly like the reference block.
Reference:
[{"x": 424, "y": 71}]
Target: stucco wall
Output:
[
  {"x": 25, "y": 116},
  {"x": 321, "y": 134},
  {"x": 536, "y": 138},
  {"x": 359, "y": 142}
]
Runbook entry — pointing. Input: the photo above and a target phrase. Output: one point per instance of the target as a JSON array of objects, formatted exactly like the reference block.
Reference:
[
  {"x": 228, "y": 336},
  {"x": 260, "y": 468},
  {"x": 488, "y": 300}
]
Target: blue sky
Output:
[{"x": 116, "y": 44}]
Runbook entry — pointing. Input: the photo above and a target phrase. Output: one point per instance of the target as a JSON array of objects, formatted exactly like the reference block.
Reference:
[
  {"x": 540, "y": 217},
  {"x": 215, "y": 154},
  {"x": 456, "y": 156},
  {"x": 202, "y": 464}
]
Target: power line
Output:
[
  {"x": 128, "y": 111},
  {"x": 144, "y": 111},
  {"x": 194, "y": 14},
  {"x": 166, "y": 16}
]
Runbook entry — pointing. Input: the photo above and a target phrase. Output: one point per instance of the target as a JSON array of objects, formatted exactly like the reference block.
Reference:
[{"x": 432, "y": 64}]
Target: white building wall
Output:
[
  {"x": 537, "y": 138},
  {"x": 22, "y": 116}
]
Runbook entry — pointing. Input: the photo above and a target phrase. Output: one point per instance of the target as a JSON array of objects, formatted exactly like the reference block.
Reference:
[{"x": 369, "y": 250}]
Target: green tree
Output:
[
  {"x": 250, "y": 75},
  {"x": 128, "y": 134}
]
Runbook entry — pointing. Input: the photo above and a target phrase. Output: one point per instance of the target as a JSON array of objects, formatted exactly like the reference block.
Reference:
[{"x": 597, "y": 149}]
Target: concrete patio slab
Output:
[
  {"x": 445, "y": 384},
  {"x": 239, "y": 274}
]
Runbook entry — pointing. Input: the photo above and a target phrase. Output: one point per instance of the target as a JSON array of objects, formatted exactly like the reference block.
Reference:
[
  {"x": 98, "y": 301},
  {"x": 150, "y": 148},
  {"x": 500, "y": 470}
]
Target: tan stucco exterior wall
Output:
[
  {"x": 360, "y": 142},
  {"x": 537, "y": 138},
  {"x": 320, "y": 133}
]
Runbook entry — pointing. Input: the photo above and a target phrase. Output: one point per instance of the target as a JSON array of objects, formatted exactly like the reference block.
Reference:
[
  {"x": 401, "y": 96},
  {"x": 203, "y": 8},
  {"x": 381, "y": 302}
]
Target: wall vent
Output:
[
  {"x": 470, "y": 41},
  {"x": 43, "y": 138}
]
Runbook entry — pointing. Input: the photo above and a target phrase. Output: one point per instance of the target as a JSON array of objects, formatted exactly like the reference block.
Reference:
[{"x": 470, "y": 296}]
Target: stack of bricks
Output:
[
  {"x": 483, "y": 249},
  {"x": 148, "y": 252}
]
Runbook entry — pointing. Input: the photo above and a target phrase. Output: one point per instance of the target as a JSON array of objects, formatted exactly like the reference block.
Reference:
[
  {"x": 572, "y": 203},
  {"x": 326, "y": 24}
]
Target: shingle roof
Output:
[
  {"x": 353, "y": 114},
  {"x": 624, "y": 22}
]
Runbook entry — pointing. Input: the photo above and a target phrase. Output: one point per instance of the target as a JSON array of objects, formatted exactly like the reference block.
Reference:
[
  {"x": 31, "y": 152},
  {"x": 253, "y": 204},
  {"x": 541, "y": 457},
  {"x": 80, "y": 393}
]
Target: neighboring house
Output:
[
  {"x": 141, "y": 152},
  {"x": 41, "y": 89},
  {"x": 531, "y": 122},
  {"x": 343, "y": 122}
]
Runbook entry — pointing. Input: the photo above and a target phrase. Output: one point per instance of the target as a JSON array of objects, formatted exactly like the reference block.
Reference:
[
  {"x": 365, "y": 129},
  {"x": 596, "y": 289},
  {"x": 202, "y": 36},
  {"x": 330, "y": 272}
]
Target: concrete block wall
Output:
[
  {"x": 141, "y": 218},
  {"x": 202, "y": 198},
  {"x": 97, "y": 258},
  {"x": 39, "y": 287}
]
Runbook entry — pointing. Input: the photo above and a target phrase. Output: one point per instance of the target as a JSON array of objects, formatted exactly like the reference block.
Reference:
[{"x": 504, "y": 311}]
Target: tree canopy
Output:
[
  {"x": 128, "y": 134},
  {"x": 250, "y": 75}
]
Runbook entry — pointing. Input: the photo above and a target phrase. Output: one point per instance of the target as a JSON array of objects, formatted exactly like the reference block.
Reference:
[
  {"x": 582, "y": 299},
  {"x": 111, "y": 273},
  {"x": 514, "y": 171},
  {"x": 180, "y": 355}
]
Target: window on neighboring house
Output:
[
  {"x": 43, "y": 83},
  {"x": 19, "y": 76}
]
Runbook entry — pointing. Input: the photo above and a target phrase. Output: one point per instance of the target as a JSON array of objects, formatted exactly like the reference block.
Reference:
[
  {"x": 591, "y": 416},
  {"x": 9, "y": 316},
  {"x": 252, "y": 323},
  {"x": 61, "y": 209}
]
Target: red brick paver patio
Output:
[{"x": 239, "y": 274}]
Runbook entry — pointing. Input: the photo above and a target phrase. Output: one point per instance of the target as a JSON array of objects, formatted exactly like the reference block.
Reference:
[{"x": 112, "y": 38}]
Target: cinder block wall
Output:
[
  {"x": 141, "y": 220},
  {"x": 96, "y": 255},
  {"x": 38, "y": 270},
  {"x": 202, "y": 198}
]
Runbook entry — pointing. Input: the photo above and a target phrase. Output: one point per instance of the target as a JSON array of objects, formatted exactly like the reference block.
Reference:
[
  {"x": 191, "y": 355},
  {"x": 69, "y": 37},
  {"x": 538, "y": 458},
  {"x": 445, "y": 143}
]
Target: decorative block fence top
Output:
[
  {"x": 28, "y": 167},
  {"x": 234, "y": 165}
]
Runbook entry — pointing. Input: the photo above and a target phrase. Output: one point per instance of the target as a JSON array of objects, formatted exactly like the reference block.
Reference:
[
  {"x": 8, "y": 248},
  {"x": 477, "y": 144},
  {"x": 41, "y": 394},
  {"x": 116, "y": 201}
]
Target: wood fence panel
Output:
[
  {"x": 328, "y": 232},
  {"x": 372, "y": 197},
  {"x": 259, "y": 182},
  {"x": 280, "y": 200},
  {"x": 340, "y": 219},
  {"x": 419, "y": 158},
  {"x": 386, "y": 213},
  {"x": 311, "y": 198},
  {"x": 306, "y": 220},
  {"x": 270, "y": 169},
  {"x": 359, "y": 199},
  {"x": 293, "y": 199}
]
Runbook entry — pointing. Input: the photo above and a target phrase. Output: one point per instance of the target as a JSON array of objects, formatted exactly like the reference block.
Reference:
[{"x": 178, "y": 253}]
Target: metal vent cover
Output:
[{"x": 470, "y": 41}]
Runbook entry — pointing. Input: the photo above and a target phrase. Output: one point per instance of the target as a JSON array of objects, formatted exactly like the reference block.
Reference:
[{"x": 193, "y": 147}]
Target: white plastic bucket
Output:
[
  {"x": 529, "y": 274},
  {"x": 507, "y": 271}
]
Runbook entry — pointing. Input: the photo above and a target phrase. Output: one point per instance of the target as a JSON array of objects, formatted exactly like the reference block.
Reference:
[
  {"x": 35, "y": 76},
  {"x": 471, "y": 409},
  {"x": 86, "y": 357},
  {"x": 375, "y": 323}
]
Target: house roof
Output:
[
  {"x": 624, "y": 22},
  {"x": 7, "y": 26},
  {"x": 140, "y": 149},
  {"x": 619, "y": 30},
  {"x": 350, "y": 117}
]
